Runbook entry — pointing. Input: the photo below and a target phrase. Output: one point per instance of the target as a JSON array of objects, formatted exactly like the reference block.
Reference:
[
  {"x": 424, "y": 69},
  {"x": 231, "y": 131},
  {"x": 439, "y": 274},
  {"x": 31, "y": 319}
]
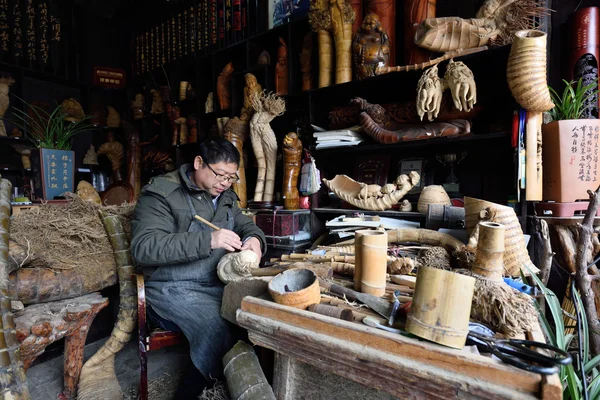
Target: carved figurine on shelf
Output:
[
  {"x": 114, "y": 151},
  {"x": 4, "y": 101},
  {"x": 236, "y": 132},
  {"x": 137, "y": 106},
  {"x": 372, "y": 197},
  {"x": 157, "y": 102},
  {"x": 494, "y": 24},
  {"x": 209, "y": 104},
  {"x": 282, "y": 74},
  {"x": 320, "y": 22},
  {"x": 292, "y": 154},
  {"x": 86, "y": 191},
  {"x": 113, "y": 120},
  {"x": 378, "y": 124},
  {"x": 461, "y": 81},
  {"x": 224, "y": 87},
  {"x": 371, "y": 47},
  {"x": 193, "y": 127},
  {"x": 16, "y": 133},
  {"x": 264, "y": 142},
  {"x": 183, "y": 130},
  {"x": 342, "y": 18},
  {"x": 25, "y": 153},
  {"x": 72, "y": 110},
  {"x": 252, "y": 88},
  {"x": 264, "y": 58},
  {"x": 90, "y": 157},
  {"x": 306, "y": 61}
]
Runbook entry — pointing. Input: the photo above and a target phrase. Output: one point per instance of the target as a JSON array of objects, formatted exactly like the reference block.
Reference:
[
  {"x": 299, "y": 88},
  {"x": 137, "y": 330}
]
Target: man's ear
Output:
[{"x": 197, "y": 162}]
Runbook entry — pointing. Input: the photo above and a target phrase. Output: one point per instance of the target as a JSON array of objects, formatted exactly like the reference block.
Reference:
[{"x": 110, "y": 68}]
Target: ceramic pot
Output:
[
  {"x": 434, "y": 194},
  {"x": 526, "y": 71},
  {"x": 568, "y": 172}
]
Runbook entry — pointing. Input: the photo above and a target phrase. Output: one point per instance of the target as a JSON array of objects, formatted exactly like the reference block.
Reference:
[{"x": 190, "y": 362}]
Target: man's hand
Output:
[
  {"x": 225, "y": 239},
  {"x": 253, "y": 244}
]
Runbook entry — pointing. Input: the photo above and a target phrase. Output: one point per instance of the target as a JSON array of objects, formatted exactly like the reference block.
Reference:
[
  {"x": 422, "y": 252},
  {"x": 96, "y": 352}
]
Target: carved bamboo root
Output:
[
  {"x": 343, "y": 52},
  {"x": 240, "y": 186},
  {"x": 13, "y": 382},
  {"x": 262, "y": 169},
  {"x": 40, "y": 285},
  {"x": 582, "y": 276},
  {"x": 270, "y": 147},
  {"x": 325, "y": 43},
  {"x": 526, "y": 71},
  {"x": 96, "y": 373},
  {"x": 415, "y": 67}
]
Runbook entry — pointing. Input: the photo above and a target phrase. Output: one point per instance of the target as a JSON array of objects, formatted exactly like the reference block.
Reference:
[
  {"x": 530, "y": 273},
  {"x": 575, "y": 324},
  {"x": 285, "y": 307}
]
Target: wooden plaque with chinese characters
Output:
[
  {"x": 372, "y": 169},
  {"x": 109, "y": 77},
  {"x": 53, "y": 172}
]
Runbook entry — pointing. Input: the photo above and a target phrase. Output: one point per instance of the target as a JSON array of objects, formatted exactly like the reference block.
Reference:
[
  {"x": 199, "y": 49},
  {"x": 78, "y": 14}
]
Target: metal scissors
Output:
[{"x": 518, "y": 353}]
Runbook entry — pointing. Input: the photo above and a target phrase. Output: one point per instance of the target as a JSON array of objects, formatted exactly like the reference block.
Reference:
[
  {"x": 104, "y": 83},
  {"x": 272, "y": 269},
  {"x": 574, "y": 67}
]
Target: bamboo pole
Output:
[
  {"x": 13, "y": 382},
  {"x": 98, "y": 372},
  {"x": 372, "y": 248}
]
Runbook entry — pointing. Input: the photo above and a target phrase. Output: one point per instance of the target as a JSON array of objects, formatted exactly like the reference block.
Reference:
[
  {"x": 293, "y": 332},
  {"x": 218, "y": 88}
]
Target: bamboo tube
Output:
[
  {"x": 342, "y": 17},
  {"x": 245, "y": 378},
  {"x": 343, "y": 268},
  {"x": 357, "y": 260},
  {"x": 441, "y": 307},
  {"x": 425, "y": 236},
  {"x": 325, "y": 58},
  {"x": 533, "y": 163},
  {"x": 332, "y": 311},
  {"x": 373, "y": 259},
  {"x": 12, "y": 376},
  {"x": 406, "y": 280},
  {"x": 490, "y": 251}
]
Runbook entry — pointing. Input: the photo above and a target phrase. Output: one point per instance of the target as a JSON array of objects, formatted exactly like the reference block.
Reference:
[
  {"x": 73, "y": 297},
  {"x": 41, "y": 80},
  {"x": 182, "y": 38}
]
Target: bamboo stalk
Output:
[
  {"x": 93, "y": 383},
  {"x": 325, "y": 58},
  {"x": 13, "y": 382}
]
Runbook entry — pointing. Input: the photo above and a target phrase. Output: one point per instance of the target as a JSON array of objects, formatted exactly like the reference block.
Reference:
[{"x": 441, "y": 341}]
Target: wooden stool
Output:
[{"x": 39, "y": 325}]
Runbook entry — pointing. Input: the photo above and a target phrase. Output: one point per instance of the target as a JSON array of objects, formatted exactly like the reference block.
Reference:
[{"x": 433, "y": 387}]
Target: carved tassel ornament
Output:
[{"x": 526, "y": 71}]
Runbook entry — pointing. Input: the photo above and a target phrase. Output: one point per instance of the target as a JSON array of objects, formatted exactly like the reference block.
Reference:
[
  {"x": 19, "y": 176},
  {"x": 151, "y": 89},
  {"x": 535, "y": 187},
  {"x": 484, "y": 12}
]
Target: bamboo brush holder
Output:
[
  {"x": 357, "y": 259},
  {"x": 489, "y": 260},
  {"x": 441, "y": 307},
  {"x": 372, "y": 255}
]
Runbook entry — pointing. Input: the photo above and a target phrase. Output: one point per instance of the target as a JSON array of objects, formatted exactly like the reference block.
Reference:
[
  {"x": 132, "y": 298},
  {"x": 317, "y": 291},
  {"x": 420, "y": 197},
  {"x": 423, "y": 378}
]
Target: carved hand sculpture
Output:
[
  {"x": 429, "y": 94},
  {"x": 461, "y": 82}
]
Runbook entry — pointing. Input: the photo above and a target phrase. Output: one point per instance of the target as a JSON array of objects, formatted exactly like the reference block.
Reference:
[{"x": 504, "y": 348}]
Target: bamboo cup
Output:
[
  {"x": 490, "y": 251},
  {"x": 372, "y": 252},
  {"x": 357, "y": 259},
  {"x": 441, "y": 307}
]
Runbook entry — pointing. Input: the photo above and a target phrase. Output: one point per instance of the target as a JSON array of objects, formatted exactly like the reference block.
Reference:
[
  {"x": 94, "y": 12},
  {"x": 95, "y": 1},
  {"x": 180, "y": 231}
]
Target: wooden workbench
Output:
[{"x": 319, "y": 357}]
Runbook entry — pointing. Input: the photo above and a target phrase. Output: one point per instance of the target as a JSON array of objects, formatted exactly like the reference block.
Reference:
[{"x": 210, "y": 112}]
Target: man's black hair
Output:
[{"x": 215, "y": 150}]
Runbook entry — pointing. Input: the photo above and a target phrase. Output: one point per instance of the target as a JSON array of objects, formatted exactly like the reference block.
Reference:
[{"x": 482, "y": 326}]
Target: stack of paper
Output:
[{"x": 341, "y": 138}]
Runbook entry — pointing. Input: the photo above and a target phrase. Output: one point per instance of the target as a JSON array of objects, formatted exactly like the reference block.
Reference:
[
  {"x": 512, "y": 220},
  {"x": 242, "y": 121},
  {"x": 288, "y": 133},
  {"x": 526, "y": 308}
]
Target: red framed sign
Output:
[{"x": 109, "y": 77}]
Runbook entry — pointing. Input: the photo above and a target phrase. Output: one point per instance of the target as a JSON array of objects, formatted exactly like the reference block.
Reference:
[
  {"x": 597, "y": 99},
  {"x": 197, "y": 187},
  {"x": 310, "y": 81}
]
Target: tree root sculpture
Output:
[
  {"x": 320, "y": 22},
  {"x": 359, "y": 195},
  {"x": 264, "y": 142},
  {"x": 13, "y": 383},
  {"x": 237, "y": 266},
  {"x": 98, "y": 379}
]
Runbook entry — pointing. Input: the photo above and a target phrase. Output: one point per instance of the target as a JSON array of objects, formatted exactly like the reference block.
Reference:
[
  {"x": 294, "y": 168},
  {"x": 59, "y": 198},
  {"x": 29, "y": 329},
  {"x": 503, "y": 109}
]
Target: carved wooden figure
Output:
[
  {"x": 494, "y": 24},
  {"x": 264, "y": 142},
  {"x": 386, "y": 10},
  {"x": 137, "y": 106},
  {"x": 371, "y": 47},
  {"x": 415, "y": 11},
  {"x": 72, "y": 110},
  {"x": 113, "y": 120},
  {"x": 183, "y": 130},
  {"x": 292, "y": 155},
  {"x": 114, "y": 151},
  {"x": 282, "y": 74},
  {"x": 306, "y": 61},
  {"x": 252, "y": 88},
  {"x": 224, "y": 87},
  {"x": 4, "y": 101},
  {"x": 157, "y": 102}
]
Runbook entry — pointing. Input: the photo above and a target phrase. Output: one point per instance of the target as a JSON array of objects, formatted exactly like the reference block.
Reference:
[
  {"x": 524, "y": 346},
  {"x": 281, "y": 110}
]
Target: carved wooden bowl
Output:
[{"x": 297, "y": 288}]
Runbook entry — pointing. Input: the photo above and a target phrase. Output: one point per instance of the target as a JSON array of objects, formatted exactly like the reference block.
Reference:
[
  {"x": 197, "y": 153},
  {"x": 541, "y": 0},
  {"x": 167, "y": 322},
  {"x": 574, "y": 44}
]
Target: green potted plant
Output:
[
  {"x": 52, "y": 133},
  {"x": 571, "y": 146}
]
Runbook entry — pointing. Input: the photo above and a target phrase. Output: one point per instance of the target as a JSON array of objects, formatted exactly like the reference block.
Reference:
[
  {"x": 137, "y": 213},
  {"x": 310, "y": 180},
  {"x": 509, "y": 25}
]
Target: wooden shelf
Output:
[
  {"x": 387, "y": 213},
  {"x": 442, "y": 141}
]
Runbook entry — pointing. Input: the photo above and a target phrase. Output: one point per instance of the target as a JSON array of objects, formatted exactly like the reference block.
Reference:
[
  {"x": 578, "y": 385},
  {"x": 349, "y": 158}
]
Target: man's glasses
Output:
[{"x": 221, "y": 177}]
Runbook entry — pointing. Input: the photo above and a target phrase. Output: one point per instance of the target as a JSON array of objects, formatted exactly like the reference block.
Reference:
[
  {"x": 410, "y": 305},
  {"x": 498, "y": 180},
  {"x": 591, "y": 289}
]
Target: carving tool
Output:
[
  {"x": 207, "y": 223},
  {"x": 377, "y": 304}
]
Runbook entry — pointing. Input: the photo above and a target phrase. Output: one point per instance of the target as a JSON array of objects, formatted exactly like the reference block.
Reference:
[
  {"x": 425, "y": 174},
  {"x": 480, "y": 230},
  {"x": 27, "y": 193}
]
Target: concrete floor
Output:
[{"x": 45, "y": 380}]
